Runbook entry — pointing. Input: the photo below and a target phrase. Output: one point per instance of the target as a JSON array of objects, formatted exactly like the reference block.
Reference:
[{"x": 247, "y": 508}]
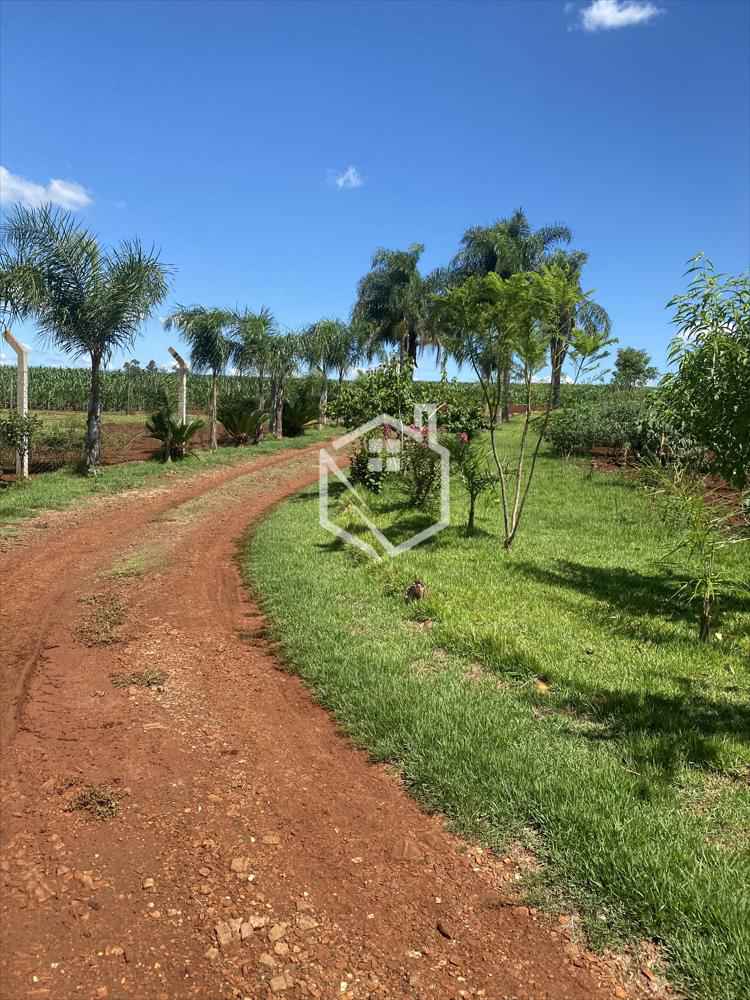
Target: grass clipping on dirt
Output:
[
  {"x": 568, "y": 696},
  {"x": 99, "y": 801}
]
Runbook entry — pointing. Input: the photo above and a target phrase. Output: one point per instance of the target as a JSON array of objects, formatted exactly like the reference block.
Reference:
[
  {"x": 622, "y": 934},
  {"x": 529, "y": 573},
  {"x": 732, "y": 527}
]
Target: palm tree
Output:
[
  {"x": 393, "y": 299},
  {"x": 86, "y": 301},
  {"x": 204, "y": 330},
  {"x": 284, "y": 355},
  {"x": 508, "y": 247},
  {"x": 328, "y": 346},
  {"x": 251, "y": 344},
  {"x": 572, "y": 312}
]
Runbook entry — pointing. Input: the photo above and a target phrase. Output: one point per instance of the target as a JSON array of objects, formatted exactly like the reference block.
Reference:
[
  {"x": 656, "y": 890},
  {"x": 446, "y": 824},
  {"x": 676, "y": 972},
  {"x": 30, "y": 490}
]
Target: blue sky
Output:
[{"x": 218, "y": 131}]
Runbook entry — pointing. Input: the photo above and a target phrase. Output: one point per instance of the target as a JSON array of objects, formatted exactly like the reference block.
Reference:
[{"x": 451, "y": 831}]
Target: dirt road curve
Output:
[{"x": 255, "y": 854}]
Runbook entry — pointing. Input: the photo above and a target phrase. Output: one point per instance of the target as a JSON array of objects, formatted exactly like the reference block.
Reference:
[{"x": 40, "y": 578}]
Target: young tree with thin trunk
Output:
[
  {"x": 86, "y": 301},
  {"x": 205, "y": 332},
  {"x": 491, "y": 324},
  {"x": 509, "y": 246}
]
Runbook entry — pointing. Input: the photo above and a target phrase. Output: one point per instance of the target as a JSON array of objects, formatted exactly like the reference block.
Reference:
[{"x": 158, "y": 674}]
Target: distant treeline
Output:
[{"x": 141, "y": 390}]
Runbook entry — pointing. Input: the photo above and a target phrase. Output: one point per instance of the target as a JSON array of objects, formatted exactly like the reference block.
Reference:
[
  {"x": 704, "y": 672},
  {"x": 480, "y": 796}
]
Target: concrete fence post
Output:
[
  {"x": 182, "y": 374},
  {"x": 22, "y": 398}
]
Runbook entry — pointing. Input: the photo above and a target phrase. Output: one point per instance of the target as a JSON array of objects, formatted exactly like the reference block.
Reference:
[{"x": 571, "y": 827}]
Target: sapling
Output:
[
  {"x": 469, "y": 460},
  {"x": 704, "y": 529}
]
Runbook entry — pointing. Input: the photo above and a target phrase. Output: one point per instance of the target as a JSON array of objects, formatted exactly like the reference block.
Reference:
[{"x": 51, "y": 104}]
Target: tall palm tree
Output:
[
  {"x": 393, "y": 299},
  {"x": 86, "y": 301},
  {"x": 284, "y": 356},
  {"x": 509, "y": 246},
  {"x": 251, "y": 345},
  {"x": 205, "y": 332},
  {"x": 329, "y": 346},
  {"x": 573, "y": 312}
]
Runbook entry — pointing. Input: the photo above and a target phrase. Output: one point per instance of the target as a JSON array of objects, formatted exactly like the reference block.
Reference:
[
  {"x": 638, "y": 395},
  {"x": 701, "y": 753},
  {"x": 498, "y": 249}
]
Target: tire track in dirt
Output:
[{"x": 255, "y": 853}]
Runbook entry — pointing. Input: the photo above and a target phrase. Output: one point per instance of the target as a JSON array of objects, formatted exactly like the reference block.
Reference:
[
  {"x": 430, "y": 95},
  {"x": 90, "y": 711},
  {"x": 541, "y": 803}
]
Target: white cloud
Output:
[
  {"x": 605, "y": 15},
  {"x": 65, "y": 194},
  {"x": 350, "y": 178}
]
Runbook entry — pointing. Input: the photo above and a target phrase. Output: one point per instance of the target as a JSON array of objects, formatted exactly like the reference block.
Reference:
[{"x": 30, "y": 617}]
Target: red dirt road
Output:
[{"x": 255, "y": 853}]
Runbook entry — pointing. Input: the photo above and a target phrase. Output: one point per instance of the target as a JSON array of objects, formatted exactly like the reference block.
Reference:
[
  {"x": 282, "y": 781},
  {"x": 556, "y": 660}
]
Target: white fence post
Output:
[
  {"x": 182, "y": 374},
  {"x": 22, "y": 397}
]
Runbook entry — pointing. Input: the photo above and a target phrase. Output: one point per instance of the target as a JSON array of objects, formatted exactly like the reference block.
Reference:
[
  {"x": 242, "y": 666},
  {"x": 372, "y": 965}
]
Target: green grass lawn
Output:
[
  {"x": 60, "y": 489},
  {"x": 555, "y": 696}
]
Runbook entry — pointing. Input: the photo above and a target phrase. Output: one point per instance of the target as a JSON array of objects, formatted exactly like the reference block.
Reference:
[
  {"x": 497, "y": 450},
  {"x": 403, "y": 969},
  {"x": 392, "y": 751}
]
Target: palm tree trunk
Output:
[
  {"x": 323, "y": 404},
  {"x": 412, "y": 345},
  {"x": 213, "y": 407},
  {"x": 92, "y": 445},
  {"x": 278, "y": 423}
]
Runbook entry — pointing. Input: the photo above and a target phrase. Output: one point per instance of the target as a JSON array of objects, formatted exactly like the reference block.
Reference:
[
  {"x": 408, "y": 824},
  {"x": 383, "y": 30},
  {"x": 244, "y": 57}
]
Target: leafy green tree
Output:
[
  {"x": 393, "y": 299},
  {"x": 509, "y": 246},
  {"x": 205, "y": 330},
  {"x": 708, "y": 396},
  {"x": 490, "y": 323},
  {"x": 633, "y": 369},
  {"x": 86, "y": 301}
]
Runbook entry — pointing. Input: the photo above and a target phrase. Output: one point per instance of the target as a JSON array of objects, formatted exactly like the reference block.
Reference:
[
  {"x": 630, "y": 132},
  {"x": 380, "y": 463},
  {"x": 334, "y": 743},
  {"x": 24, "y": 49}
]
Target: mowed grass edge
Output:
[{"x": 628, "y": 777}]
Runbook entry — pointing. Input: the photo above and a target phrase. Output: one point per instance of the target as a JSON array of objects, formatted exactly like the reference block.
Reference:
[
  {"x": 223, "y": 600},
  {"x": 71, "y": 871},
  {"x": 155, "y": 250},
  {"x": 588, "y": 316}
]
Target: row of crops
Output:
[
  {"x": 142, "y": 390},
  {"x": 122, "y": 391}
]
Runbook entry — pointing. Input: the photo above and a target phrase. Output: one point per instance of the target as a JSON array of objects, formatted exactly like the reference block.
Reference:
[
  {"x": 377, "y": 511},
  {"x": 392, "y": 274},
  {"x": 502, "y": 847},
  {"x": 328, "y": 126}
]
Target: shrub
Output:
[
  {"x": 616, "y": 420},
  {"x": 174, "y": 435},
  {"x": 300, "y": 407},
  {"x": 242, "y": 419},
  {"x": 364, "y": 469},
  {"x": 420, "y": 471},
  {"x": 708, "y": 397},
  {"x": 19, "y": 433},
  {"x": 460, "y": 409},
  {"x": 387, "y": 389}
]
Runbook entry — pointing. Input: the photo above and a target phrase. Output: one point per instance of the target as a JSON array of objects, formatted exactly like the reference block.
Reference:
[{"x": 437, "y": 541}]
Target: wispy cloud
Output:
[
  {"x": 606, "y": 15},
  {"x": 348, "y": 179},
  {"x": 65, "y": 194}
]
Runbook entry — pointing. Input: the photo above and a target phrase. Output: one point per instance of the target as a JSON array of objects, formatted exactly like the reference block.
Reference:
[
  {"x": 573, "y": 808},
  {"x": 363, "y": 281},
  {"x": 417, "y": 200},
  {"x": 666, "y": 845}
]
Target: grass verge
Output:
[
  {"x": 555, "y": 695},
  {"x": 60, "y": 489}
]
